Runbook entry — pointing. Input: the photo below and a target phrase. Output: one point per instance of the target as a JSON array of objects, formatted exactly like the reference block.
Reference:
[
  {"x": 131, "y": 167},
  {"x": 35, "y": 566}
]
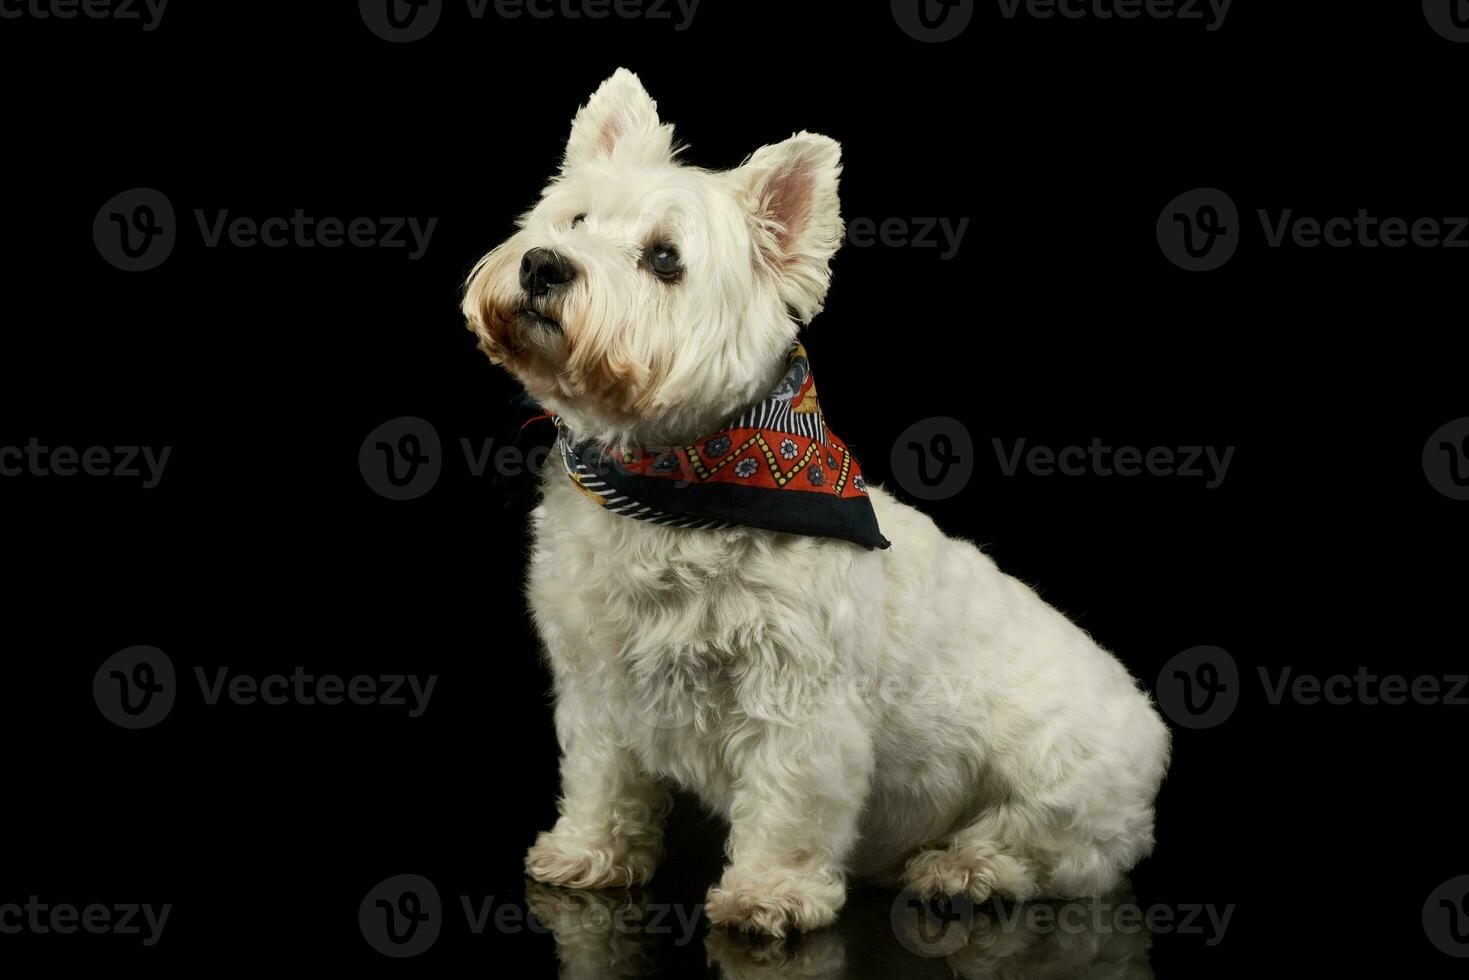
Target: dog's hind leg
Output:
[
  {"x": 970, "y": 862},
  {"x": 1002, "y": 853}
]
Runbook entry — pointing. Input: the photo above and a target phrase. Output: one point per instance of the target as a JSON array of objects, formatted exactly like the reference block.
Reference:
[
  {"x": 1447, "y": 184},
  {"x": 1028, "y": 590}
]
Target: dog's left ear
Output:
[
  {"x": 790, "y": 192},
  {"x": 620, "y": 121}
]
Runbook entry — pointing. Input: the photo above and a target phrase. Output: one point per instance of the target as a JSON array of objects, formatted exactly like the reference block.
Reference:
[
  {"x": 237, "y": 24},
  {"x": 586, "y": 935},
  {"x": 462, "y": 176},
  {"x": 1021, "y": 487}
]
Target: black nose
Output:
[{"x": 542, "y": 270}]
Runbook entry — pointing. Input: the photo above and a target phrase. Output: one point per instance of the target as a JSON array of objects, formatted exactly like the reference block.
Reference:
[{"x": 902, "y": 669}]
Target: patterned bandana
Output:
[{"x": 776, "y": 467}]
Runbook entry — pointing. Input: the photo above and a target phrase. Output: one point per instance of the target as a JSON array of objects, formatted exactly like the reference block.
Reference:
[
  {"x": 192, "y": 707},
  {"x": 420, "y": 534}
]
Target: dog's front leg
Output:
[
  {"x": 610, "y": 833},
  {"x": 800, "y": 788}
]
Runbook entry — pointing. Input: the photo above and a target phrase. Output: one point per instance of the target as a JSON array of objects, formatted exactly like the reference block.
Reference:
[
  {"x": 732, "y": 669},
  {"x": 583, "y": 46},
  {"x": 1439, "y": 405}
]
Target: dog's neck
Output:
[{"x": 678, "y": 427}]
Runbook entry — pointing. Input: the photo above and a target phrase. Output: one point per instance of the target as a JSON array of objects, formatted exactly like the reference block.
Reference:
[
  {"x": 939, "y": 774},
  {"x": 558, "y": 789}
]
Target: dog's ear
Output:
[
  {"x": 619, "y": 122},
  {"x": 790, "y": 192}
]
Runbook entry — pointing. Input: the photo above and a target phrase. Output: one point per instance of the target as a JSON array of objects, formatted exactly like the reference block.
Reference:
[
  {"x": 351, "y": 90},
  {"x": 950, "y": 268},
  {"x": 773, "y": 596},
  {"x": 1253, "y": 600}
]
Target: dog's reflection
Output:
[
  {"x": 1093, "y": 939},
  {"x": 820, "y": 955},
  {"x": 628, "y": 933}
]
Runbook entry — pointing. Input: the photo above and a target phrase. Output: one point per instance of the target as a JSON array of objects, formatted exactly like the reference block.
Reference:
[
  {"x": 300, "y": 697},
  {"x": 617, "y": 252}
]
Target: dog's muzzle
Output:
[{"x": 528, "y": 317}]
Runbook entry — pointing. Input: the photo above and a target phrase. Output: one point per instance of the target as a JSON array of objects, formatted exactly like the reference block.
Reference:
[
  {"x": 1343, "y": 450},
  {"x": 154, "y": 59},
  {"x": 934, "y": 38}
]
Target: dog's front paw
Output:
[
  {"x": 584, "y": 862},
  {"x": 775, "y": 900}
]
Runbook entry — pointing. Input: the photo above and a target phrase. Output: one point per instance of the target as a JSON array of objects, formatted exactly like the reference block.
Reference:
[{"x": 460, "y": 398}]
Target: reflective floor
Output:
[{"x": 879, "y": 934}]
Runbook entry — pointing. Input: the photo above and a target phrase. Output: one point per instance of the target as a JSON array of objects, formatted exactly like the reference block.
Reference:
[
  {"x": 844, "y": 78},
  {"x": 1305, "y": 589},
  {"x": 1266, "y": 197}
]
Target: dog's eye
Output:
[
  {"x": 663, "y": 260},
  {"x": 578, "y": 220}
]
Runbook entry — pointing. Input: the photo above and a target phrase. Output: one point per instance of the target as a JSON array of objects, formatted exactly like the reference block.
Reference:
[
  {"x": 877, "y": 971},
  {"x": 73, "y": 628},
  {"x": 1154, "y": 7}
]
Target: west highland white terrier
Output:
[{"x": 712, "y": 581}]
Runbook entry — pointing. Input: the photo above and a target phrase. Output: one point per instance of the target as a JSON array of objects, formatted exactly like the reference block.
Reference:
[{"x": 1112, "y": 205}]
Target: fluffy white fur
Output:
[{"x": 913, "y": 715}]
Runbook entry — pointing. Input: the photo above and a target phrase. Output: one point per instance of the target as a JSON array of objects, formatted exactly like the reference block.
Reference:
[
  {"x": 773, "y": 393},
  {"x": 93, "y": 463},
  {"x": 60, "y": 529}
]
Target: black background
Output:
[{"x": 1059, "y": 320}]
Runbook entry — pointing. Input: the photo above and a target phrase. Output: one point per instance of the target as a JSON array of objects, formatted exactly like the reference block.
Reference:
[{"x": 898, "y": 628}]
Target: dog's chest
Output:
[
  {"x": 682, "y": 635},
  {"x": 648, "y": 585}
]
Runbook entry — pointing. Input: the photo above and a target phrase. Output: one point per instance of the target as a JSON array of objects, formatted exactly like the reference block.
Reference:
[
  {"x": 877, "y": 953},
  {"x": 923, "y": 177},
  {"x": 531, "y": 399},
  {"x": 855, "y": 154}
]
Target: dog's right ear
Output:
[{"x": 619, "y": 122}]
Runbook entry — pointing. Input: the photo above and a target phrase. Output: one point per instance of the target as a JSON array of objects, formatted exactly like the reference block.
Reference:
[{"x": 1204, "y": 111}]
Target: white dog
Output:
[{"x": 911, "y": 713}]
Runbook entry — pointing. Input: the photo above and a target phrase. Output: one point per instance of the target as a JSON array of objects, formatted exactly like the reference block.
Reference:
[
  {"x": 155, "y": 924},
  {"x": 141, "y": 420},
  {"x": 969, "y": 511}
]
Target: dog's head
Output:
[{"x": 645, "y": 300}]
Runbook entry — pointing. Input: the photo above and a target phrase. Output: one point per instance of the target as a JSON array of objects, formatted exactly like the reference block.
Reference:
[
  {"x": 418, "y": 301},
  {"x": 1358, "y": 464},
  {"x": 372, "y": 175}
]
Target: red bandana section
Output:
[
  {"x": 759, "y": 458},
  {"x": 777, "y": 466}
]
